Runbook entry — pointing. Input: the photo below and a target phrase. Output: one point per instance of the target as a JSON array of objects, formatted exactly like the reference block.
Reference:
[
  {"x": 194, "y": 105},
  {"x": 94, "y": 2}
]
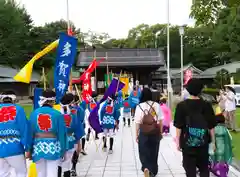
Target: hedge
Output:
[{"x": 211, "y": 91}]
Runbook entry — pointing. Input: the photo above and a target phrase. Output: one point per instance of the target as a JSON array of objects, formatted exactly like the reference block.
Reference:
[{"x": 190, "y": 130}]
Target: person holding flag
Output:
[
  {"x": 109, "y": 120},
  {"x": 48, "y": 136},
  {"x": 74, "y": 133},
  {"x": 14, "y": 139}
]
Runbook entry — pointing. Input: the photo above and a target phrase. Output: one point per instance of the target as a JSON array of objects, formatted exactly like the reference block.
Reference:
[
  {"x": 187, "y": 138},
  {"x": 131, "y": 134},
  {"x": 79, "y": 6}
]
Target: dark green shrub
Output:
[{"x": 211, "y": 91}]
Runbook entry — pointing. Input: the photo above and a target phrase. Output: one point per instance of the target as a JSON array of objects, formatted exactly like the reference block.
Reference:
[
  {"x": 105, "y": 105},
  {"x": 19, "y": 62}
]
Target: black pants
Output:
[
  {"x": 148, "y": 146},
  {"x": 196, "y": 158}
]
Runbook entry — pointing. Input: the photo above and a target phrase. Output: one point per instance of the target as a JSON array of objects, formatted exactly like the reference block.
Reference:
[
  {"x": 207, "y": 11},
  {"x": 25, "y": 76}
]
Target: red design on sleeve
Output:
[
  {"x": 109, "y": 109},
  {"x": 68, "y": 120},
  {"x": 8, "y": 113},
  {"x": 74, "y": 111},
  {"x": 44, "y": 122}
]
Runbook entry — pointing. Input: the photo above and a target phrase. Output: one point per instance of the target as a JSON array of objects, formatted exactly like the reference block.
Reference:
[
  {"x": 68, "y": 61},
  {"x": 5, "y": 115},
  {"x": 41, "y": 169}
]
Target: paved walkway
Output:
[{"x": 124, "y": 162}]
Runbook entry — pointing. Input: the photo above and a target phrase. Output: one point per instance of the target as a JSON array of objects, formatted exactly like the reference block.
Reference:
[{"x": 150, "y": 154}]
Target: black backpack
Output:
[{"x": 196, "y": 132}]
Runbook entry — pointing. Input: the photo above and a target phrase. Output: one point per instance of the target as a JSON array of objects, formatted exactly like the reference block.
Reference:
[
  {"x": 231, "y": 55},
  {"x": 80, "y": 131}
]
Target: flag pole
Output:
[
  {"x": 168, "y": 54},
  {"x": 106, "y": 57},
  {"x": 44, "y": 79},
  {"x": 69, "y": 32}
]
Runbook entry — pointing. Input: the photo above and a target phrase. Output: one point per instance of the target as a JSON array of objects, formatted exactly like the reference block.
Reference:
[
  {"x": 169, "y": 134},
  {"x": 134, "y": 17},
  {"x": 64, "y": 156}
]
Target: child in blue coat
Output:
[
  {"x": 126, "y": 111},
  {"x": 75, "y": 132},
  {"x": 109, "y": 118},
  {"x": 78, "y": 109},
  {"x": 49, "y": 136},
  {"x": 14, "y": 136}
]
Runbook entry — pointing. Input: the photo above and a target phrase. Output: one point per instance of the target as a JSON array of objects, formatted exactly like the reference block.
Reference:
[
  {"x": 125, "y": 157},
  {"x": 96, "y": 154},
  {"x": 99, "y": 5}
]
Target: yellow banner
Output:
[
  {"x": 25, "y": 74},
  {"x": 125, "y": 80}
]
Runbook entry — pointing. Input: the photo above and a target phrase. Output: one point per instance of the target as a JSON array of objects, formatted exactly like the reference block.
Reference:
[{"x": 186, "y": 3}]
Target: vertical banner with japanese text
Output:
[
  {"x": 66, "y": 52},
  {"x": 36, "y": 98}
]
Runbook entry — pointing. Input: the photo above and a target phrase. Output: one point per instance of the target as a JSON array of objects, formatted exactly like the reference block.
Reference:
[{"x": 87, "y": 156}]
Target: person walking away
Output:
[
  {"x": 134, "y": 98},
  {"x": 126, "y": 111},
  {"x": 83, "y": 106},
  {"x": 48, "y": 135},
  {"x": 109, "y": 120},
  {"x": 195, "y": 121},
  {"x": 148, "y": 119},
  {"x": 14, "y": 139},
  {"x": 77, "y": 109},
  {"x": 230, "y": 106},
  {"x": 222, "y": 157},
  {"x": 166, "y": 114},
  {"x": 74, "y": 133}
]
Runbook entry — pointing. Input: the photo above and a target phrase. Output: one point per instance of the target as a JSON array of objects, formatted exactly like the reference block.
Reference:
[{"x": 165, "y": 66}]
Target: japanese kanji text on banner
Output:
[{"x": 66, "y": 52}]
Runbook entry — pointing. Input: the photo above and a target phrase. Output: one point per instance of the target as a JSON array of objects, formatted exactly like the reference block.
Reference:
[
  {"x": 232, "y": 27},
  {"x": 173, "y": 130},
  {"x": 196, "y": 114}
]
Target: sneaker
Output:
[
  {"x": 110, "y": 151},
  {"x": 146, "y": 173},
  {"x": 83, "y": 153},
  {"x": 73, "y": 173}
]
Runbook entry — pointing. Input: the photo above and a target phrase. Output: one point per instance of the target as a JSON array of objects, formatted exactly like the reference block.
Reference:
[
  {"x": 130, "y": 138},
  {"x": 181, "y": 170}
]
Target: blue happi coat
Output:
[
  {"x": 47, "y": 119},
  {"x": 74, "y": 127},
  {"x": 14, "y": 131},
  {"x": 119, "y": 100},
  {"x": 126, "y": 106},
  {"x": 134, "y": 98},
  {"x": 108, "y": 116},
  {"x": 80, "y": 114},
  {"x": 83, "y": 105}
]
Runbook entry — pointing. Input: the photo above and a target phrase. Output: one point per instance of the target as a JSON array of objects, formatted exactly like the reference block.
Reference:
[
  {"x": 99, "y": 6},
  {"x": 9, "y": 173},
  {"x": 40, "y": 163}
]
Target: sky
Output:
[{"x": 115, "y": 17}]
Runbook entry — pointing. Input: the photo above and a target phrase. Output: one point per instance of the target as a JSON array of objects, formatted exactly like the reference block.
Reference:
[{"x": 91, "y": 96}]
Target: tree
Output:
[
  {"x": 222, "y": 78},
  {"x": 15, "y": 25},
  {"x": 43, "y": 36},
  {"x": 206, "y": 12}
]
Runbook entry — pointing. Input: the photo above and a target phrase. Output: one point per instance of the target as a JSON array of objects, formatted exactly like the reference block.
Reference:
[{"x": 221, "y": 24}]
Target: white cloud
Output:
[{"x": 115, "y": 17}]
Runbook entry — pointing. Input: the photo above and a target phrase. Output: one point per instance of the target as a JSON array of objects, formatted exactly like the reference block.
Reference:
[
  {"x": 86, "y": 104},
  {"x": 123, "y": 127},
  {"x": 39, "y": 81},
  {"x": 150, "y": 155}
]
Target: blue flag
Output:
[
  {"x": 66, "y": 52},
  {"x": 36, "y": 98}
]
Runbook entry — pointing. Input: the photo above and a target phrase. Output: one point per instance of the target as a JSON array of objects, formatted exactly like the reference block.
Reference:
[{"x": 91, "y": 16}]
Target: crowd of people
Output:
[{"x": 53, "y": 139}]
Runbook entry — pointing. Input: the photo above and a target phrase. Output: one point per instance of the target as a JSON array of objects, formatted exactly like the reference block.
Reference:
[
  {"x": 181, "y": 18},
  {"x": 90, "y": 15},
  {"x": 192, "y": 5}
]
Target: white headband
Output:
[
  {"x": 44, "y": 99},
  {"x": 66, "y": 106},
  {"x": 13, "y": 97}
]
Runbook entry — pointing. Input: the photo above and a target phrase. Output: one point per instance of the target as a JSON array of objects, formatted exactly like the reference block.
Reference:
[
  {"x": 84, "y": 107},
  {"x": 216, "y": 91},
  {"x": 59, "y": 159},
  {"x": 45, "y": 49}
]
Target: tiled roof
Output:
[
  {"x": 211, "y": 72},
  {"x": 123, "y": 57}
]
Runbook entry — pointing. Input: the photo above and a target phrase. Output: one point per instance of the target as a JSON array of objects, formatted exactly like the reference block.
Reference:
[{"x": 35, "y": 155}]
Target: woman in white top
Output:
[
  {"x": 230, "y": 107},
  {"x": 148, "y": 144}
]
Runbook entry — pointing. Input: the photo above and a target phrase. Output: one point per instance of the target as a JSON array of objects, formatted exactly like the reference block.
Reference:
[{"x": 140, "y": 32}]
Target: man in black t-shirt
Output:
[{"x": 195, "y": 121}]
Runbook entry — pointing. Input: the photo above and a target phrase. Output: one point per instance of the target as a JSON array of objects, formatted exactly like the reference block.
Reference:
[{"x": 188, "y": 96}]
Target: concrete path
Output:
[{"x": 124, "y": 162}]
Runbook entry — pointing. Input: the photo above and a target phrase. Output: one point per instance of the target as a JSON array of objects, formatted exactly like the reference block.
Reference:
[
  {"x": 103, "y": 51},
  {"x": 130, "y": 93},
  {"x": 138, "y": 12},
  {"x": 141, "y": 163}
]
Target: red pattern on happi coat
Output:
[
  {"x": 8, "y": 113},
  {"x": 44, "y": 122},
  {"x": 68, "y": 120}
]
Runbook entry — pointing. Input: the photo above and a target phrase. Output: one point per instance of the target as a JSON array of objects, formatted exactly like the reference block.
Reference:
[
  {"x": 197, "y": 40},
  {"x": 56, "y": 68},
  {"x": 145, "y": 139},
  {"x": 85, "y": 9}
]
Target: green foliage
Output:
[
  {"x": 222, "y": 78},
  {"x": 211, "y": 91}
]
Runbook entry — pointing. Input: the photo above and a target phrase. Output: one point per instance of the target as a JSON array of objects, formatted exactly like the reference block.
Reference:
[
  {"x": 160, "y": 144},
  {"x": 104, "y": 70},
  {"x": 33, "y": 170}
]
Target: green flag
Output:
[{"x": 107, "y": 79}]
